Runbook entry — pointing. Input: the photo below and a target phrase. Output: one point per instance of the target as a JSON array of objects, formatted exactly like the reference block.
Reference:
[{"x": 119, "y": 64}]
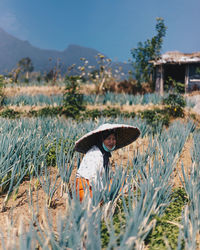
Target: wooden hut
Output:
[{"x": 181, "y": 67}]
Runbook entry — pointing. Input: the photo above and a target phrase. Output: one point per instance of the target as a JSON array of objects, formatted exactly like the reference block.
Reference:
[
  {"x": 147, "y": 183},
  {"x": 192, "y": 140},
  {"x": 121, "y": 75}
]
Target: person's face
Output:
[{"x": 110, "y": 141}]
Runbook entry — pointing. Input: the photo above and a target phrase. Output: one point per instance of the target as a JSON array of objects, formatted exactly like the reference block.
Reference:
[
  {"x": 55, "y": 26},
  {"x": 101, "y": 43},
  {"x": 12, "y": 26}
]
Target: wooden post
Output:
[
  {"x": 157, "y": 79},
  {"x": 161, "y": 80},
  {"x": 186, "y": 77}
]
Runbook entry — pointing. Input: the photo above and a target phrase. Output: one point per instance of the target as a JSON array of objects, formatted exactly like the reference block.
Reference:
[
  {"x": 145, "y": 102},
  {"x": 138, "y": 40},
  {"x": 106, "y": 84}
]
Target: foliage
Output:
[
  {"x": 2, "y": 84},
  {"x": 54, "y": 148},
  {"x": 189, "y": 233},
  {"x": 102, "y": 74},
  {"x": 50, "y": 76},
  {"x": 36, "y": 100},
  {"x": 10, "y": 113},
  {"x": 93, "y": 99},
  {"x": 26, "y": 66},
  {"x": 124, "y": 99},
  {"x": 147, "y": 51},
  {"x": 174, "y": 86},
  {"x": 197, "y": 71},
  {"x": 53, "y": 73},
  {"x": 47, "y": 111},
  {"x": 73, "y": 102},
  {"x": 119, "y": 224},
  {"x": 165, "y": 227},
  {"x": 108, "y": 112},
  {"x": 155, "y": 117},
  {"x": 175, "y": 104},
  {"x": 87, "y": 114}
]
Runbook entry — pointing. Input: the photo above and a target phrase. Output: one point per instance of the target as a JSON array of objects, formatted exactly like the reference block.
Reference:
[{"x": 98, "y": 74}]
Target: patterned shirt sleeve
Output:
[{"x": 92, "y": 166}]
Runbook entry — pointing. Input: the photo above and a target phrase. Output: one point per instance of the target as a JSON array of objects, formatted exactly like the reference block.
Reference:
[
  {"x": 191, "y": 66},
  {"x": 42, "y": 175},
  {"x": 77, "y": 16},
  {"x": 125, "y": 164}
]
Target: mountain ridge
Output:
[{"x": 13, "y": 49}]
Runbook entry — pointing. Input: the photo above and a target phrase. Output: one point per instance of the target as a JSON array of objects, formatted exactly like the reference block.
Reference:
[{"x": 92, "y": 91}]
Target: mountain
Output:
[{"x": 13, "y": 49}]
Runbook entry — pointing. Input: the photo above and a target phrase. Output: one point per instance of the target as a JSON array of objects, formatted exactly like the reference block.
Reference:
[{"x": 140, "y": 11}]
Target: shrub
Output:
[
  {"x": 47, "y": 111},
  {"x": 73, "y": 102},
  {"x": 175, "y": 104},
  {"x": 172, "y": 85},
  {"x": 92, "y": 114},
  {"x": 111, "y": 112},
  {"x": 1, "y": 89},
  {"x": 10, "y": 113},
  {"x": 165, "y": 229},
  {"x": 54, "y": 148},
  {"x": 108, "y": 112},
  {"x": 155, "y": 117}
]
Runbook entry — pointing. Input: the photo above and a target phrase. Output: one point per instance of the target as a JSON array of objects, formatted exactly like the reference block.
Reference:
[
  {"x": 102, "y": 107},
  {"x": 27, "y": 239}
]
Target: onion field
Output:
[
  {"x": 92, "y": 99},
  {"x": 39, "y": 205}
]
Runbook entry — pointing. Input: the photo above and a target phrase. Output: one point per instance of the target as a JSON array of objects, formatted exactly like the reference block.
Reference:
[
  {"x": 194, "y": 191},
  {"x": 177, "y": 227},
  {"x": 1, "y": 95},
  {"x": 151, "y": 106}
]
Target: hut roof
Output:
[{"x": 174, "y": 57}]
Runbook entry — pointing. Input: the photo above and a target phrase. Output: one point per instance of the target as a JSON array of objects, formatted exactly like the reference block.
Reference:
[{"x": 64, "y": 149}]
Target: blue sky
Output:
[{"x": 112, "y": 27}]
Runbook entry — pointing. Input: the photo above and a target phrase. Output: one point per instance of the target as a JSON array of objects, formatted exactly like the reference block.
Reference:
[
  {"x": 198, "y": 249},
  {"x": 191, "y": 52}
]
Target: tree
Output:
[
  {"x": 52, "y": 75},
  {"x": 2, "y": 84},
  {"x": 26, "y": 66},
  {"x": 15, "y": 74},
  {"x": 147, "y": 51}
]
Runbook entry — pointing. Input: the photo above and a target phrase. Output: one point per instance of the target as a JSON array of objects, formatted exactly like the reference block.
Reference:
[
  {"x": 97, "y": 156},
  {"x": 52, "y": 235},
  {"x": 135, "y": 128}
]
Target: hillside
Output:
[{"x": 13, "y": 49}]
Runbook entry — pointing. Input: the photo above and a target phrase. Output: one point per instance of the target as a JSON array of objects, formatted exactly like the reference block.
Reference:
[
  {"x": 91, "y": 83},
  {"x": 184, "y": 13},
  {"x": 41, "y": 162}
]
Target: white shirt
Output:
[{"x": 91, "y": 167}]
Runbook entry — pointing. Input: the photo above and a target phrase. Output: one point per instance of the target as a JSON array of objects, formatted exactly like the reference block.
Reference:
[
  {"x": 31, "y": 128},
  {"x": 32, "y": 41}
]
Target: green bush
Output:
[
  {"x": 47, "y": 111},
  {"x": 10, "y": 113},
  {"x": 172, "y": 85},
  {"x": 1, "y": 89},
  {"x": 108, "y": 112},
  {"x": 165, "y": 229},
  {"x": 155, "y": 117},
  {"x": 175, "y": 104},
  {"x": 54, "y": 147},
  {"x": 111, "y": 112},
  {"x": 119, "y": 223},
  {"x": 73, "y": 102},
  {"x": 92, "y": 114}
]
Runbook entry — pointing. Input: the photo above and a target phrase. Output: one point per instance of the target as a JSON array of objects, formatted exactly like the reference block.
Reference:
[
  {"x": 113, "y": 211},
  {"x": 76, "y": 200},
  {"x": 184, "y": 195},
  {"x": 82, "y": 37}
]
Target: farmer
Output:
[{"x": 97, "y": 146}]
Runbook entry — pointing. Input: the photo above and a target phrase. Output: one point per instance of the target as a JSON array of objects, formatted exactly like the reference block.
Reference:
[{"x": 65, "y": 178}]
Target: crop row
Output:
[
  {"x": 28, "y": 142},
  {"x": 190, "y": 228},
  {"x": 109, "y": 99}
]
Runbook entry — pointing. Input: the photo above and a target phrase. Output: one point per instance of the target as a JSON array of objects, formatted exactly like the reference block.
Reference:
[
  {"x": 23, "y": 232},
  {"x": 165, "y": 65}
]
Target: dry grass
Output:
[
  {"x": 128, "y": 108},
  {"x": 45, "y": 90},
  {"x": 55, "y": 90},
  {"x": 34, "y": 90}
]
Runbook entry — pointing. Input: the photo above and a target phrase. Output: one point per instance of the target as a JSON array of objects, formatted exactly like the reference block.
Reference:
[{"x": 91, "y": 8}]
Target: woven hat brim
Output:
[{"x": 126, "y": 134}]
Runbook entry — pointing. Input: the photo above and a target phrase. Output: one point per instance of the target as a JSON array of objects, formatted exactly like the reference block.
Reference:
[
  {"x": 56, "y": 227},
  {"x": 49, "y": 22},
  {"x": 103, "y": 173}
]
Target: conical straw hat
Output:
[{"x": 126, "y": 134}]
